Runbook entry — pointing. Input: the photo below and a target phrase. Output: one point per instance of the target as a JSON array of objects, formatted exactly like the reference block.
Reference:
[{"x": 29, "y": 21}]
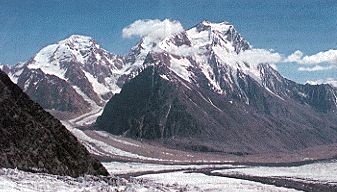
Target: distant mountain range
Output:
[{"x": 189, "y": 90}]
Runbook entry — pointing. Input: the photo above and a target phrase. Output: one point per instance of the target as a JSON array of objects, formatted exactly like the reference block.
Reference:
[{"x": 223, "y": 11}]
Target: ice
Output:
[
  {"x": 91, "y": 143},
  {"x": 12, "y": 180},
  {"x": 322, "y": 171},
  {"x": 202, "y": 182},
  {"x": 132, "y": 167},
  {"x": 180, "y": 66},
  {"x": 98, "y": 87},
  {"x": 44, "y": 60}
]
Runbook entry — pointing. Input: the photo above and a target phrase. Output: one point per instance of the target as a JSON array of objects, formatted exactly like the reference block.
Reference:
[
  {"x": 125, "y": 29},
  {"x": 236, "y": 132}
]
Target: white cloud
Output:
[
  {"x": 329, "y": 56},
  {"x": 317, "y": 68},
  {"x": 257, "y": 56},
  {"x": 153, "y": 29},
  {"x": 330, "y": 81},
  {"x": 321, "y": 61},
  {"x": 294, "y": 57}
]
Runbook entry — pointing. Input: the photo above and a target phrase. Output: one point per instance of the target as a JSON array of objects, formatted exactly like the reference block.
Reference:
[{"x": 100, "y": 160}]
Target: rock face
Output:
[
  {"x": 33, "y": 140},
  {"x": 193, "y": 91}
]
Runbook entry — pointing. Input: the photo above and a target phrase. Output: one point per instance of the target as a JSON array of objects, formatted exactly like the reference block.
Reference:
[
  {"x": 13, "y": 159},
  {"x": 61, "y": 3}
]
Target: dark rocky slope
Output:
[
  {"x": 51, "y": 92},
  {"x": 33, "y": 140}
]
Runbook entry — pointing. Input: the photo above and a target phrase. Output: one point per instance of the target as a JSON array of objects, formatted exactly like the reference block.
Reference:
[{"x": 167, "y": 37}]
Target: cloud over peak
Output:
[
  {"x": 257, "y": 56},
  {"x": 154, "y": 29}
]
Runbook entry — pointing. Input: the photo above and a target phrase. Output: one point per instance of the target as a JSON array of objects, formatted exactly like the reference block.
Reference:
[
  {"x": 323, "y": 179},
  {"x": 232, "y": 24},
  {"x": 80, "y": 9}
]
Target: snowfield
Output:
[
  {"x": 170, "y": 181},
  {"x": 19, "y": 181},
  {"x": 325, "y": 172},
  {"x": 132, "y": 167},
  {"x": 12, "y": 180},
  {"x": 202, "y": 182}
]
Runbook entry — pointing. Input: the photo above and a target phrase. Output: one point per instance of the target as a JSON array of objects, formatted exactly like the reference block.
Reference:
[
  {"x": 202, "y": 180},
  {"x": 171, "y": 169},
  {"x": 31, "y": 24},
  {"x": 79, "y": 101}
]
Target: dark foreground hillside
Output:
[{"x": 31, "y": 139}]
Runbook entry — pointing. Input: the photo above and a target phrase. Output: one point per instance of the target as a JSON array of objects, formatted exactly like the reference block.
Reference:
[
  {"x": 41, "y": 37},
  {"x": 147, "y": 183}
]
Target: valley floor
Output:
[
  {"x": 142, "y": 166},
  {"x": 134, "y": 177}
]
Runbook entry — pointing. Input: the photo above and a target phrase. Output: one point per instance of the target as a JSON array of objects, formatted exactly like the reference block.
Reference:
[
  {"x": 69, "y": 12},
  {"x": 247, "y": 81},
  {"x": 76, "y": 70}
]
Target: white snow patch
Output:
[
  {"x": 44, "y": 60},
  {"x": 132, "y": 167},
  {"x": 164, "y": 77},
  {"x": 14, "y": 77},
  {"x": 111, "y": 82},
  {"x": 222, "y": 27},
  {"x": 202, "y": 182},
  {"x": 179, "y": 66},
  {"x": 207, "y": 71},
  {"x": 98, "y": 87},
  {"x": 12, "y": 180},
  {"x": 198, "y": 39}
]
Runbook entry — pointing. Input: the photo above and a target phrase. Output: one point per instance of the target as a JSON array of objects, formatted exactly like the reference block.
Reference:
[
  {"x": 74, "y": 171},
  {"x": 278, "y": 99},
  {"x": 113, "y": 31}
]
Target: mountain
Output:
[
  {"x": 4, "y": 68},
  {"x": 33, "y": 140},
  {"x": 74, "y": 75},
  {"x": 193, "y": 91}
]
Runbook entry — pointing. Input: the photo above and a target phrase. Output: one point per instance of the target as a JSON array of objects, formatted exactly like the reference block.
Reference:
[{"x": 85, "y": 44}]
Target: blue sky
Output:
[{"x": 285, "y": 26}]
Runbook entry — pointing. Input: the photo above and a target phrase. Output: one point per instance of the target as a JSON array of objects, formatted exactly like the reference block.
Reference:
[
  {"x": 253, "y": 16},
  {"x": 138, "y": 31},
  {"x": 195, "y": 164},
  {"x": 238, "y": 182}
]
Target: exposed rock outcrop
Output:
[{"x": 33, "y": 140}]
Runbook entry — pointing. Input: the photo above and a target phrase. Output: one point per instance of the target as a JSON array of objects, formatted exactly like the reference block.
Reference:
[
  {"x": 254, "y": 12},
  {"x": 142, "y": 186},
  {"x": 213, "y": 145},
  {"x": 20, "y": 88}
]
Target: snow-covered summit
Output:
[
  {"x": 214, "y": 48},
  {"x": 79, "y": 62},
  {"x": 203, "y": 37},
  {"x": 222, "y": 26},
  {"x": 78, "y": 39},
  {"x": 53, "y": 59}
]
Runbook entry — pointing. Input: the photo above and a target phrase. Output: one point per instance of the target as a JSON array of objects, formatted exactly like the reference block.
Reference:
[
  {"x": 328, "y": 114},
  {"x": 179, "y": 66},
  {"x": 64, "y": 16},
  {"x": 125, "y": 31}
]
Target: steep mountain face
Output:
[
  {"x": 33, "y": 140},
  {"x": 322, "y": 98},
  {"x": 75, "y": 75},
  {"x": 193, "y": 91}
]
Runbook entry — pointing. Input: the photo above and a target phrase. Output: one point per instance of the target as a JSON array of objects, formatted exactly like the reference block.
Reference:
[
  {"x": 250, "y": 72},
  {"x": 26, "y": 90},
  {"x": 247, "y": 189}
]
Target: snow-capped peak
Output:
[
  {"x": 199, "y": 47},
  {"x": 79, "y": 42},
  {"x": 222, "y": 27},
  {"x": 81, "y": 62},
  {"x": 76, "y": 49},
  {"x": 78, "y": 38}
]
